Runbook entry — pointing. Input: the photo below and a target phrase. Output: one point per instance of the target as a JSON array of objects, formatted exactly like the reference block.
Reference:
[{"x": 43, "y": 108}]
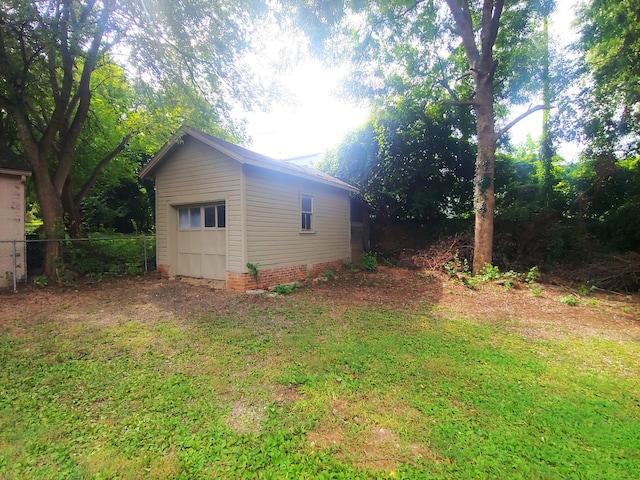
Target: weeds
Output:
[
  {"x": 459, "y": 269},
  {"x": 327, "y": 276},
  {"x": 369, "y": 262},
  {"x": 105, "y": 257},
  {"x": 535, "y": 291},
  {"x": 570, "y": 300},
  {"x": 253, "y": 270},
  {"x": 285, "y": 288}
]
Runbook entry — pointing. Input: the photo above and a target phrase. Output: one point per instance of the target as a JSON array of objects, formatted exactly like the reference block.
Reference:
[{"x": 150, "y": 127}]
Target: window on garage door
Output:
[{"x": 207, "y": 216}]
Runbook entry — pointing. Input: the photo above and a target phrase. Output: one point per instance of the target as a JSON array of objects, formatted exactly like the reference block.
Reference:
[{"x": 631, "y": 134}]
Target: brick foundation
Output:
[{"x": 241, "y": 282}]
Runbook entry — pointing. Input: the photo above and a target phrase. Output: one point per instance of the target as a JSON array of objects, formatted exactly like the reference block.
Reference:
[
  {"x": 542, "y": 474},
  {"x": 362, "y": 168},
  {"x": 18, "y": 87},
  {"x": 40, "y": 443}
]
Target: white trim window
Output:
[
  {"x": 306, "y": 213},
  {"x": 205, "y": 216}
]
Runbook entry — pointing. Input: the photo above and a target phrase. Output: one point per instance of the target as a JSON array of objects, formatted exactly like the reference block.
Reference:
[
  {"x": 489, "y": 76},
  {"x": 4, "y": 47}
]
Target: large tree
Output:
[
  {"x": 610, "y": 102},
  {"x": 401, "y": 43},
  {"x": 50, "y": 50}
]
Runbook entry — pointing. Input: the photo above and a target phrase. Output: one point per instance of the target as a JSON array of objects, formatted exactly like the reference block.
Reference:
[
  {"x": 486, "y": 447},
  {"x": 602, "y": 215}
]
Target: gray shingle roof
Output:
[
  {"x": 243, "y": 156},
  {"x": 10, "y": 161}
]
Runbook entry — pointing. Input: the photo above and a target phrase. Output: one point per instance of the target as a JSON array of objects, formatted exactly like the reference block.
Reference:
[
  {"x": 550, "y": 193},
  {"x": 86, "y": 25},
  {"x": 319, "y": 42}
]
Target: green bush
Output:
[
  {"x": 369, "y": 261},
  {"x": 103, "y": 257},
  {"x": 570, "y": 300},
  {"x": 285, "y": 288}
]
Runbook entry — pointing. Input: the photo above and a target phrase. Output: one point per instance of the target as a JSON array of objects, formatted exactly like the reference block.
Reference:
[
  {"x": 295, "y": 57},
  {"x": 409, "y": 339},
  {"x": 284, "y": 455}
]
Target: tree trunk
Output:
[
  {"x": 72, "y": 213},
  {"x": 484, "y": 193},
  {"x": 52, "y": 219}
]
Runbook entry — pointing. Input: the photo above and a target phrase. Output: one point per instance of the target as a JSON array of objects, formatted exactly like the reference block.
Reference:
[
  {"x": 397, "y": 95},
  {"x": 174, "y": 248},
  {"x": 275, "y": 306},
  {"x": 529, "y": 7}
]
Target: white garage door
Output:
[{"x": 202, "y": 241}]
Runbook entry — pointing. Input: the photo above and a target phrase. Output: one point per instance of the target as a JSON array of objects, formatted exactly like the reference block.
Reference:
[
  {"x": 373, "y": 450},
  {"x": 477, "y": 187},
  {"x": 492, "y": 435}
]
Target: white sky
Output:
[{"x": 316, "y": 119}]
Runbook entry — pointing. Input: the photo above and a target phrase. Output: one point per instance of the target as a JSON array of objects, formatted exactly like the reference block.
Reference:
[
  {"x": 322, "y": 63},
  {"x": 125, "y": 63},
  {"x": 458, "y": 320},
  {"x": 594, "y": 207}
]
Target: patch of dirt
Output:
[
  {"x": 608, "y": 315},
  {"x": 245, "y": 418},
  {"x": 149, "y": 299},
  {"x": 377, "y": 447}
]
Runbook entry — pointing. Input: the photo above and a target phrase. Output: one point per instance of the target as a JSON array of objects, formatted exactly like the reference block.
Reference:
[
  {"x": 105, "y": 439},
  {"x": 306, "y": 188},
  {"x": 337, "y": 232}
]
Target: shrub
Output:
[
  {"x": 253, "y": 270},
  {"x": 369, "y": 261},
  {"x": 570, "y": 300},
  {"x": 105, "y": 257},
  {"x": 285, "y": 288}
]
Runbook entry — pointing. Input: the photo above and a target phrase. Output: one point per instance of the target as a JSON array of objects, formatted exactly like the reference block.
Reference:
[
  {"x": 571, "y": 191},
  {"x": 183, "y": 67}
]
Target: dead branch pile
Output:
[
  {"x": 434, "y": 257},
  {"x": 616, "y": 273}
]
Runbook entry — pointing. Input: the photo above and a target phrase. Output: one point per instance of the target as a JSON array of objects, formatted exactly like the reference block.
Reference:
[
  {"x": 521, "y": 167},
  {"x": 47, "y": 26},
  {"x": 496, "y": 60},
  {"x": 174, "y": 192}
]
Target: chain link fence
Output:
[{"x": 99, "y": 257}]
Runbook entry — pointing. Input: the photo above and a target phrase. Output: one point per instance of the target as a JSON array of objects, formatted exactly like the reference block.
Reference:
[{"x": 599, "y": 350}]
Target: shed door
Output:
[{"x": 201, "y": 243}]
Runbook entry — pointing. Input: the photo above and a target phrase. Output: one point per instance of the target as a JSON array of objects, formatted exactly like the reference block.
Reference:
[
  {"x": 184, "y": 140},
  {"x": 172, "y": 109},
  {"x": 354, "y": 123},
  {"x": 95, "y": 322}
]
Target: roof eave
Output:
[
  {"x": 306, "y": 176},
  {"x": 17, "y": 173}
]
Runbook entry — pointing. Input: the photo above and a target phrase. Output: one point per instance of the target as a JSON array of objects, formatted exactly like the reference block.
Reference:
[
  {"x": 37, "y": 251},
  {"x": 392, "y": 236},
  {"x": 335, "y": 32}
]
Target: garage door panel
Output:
[
  {"x": 201, "y": 252},
  {"x": 212, "y": 265},
  {"x": 189, "y": 265},
  {"x": 214, "y": 242},
  {"x": 189, "y": 242}
]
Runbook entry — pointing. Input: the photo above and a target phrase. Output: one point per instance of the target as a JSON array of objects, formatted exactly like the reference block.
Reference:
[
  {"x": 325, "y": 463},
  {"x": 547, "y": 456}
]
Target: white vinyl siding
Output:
[
  {"x": 274, "y": 235},
  {"x": 306, "y": 213},
  {"x": 197, "y": 174}
]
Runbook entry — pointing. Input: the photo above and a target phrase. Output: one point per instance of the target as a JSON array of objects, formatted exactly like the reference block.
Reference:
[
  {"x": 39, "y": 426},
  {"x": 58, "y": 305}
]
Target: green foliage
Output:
[
  {"x": 285, "y": 288},
  {"x": 586, "y": 291},
  {"x": 41, "y": 281},
  {"x": 253, "y": 270},
  {"x": 607, "y": 191},
  {"x": 459, "y": 269},
  {"x": 326, "y": 276},
  {"x": 352, "y": 268},
  {"x": 457, "y": 266},
  {"x": 535, "y": 291},
  {"x": 108, "y": 256},
  {"x": 125, "y": 208},
  {"x": 532, "y": 275},
  {"x": 570, "y": 300},
  {"x": 488, "y": 273},
  {"x": 409, "y": 162},
  {"x": 611, "y": 43},
  {"x": 369, "y": 261}
]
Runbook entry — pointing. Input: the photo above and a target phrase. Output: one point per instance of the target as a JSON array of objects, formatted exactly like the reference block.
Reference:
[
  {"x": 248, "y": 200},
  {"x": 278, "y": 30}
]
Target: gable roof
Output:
[
  {"x": 243, "y": 156},
  {"x": 12, "y": 164}
]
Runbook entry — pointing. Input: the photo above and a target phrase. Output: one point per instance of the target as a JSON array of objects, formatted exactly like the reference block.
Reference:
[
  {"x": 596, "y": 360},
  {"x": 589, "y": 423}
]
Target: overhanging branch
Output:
[
  {"x": 508, "y": 126},
  {"x": 98, "y": 169},
  {"x": 460, "y": 103}
]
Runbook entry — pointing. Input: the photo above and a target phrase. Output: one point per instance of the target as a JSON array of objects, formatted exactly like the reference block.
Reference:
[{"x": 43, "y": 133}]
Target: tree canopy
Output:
[
  {"x": 52, "y": 53},
  {"x": 481, "y": 53}
]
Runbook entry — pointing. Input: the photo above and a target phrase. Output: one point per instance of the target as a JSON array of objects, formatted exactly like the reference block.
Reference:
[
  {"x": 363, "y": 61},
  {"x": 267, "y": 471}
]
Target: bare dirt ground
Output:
[{"x": 604, "y": 314}]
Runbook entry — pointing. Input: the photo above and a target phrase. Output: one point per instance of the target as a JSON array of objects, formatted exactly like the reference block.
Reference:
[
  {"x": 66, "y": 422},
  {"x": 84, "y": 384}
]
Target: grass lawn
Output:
[{"x": 139, "y": 380}]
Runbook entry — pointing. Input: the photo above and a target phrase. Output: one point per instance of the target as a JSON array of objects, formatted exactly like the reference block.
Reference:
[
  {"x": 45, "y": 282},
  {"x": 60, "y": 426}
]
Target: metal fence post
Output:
[
  {"x": 15, "y": 266},
  {"x": 144, "y": 243}
]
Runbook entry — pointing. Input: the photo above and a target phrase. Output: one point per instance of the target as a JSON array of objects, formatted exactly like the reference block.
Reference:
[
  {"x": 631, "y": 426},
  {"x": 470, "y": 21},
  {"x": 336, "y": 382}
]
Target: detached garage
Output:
[{"x": 220, "y": 207}]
